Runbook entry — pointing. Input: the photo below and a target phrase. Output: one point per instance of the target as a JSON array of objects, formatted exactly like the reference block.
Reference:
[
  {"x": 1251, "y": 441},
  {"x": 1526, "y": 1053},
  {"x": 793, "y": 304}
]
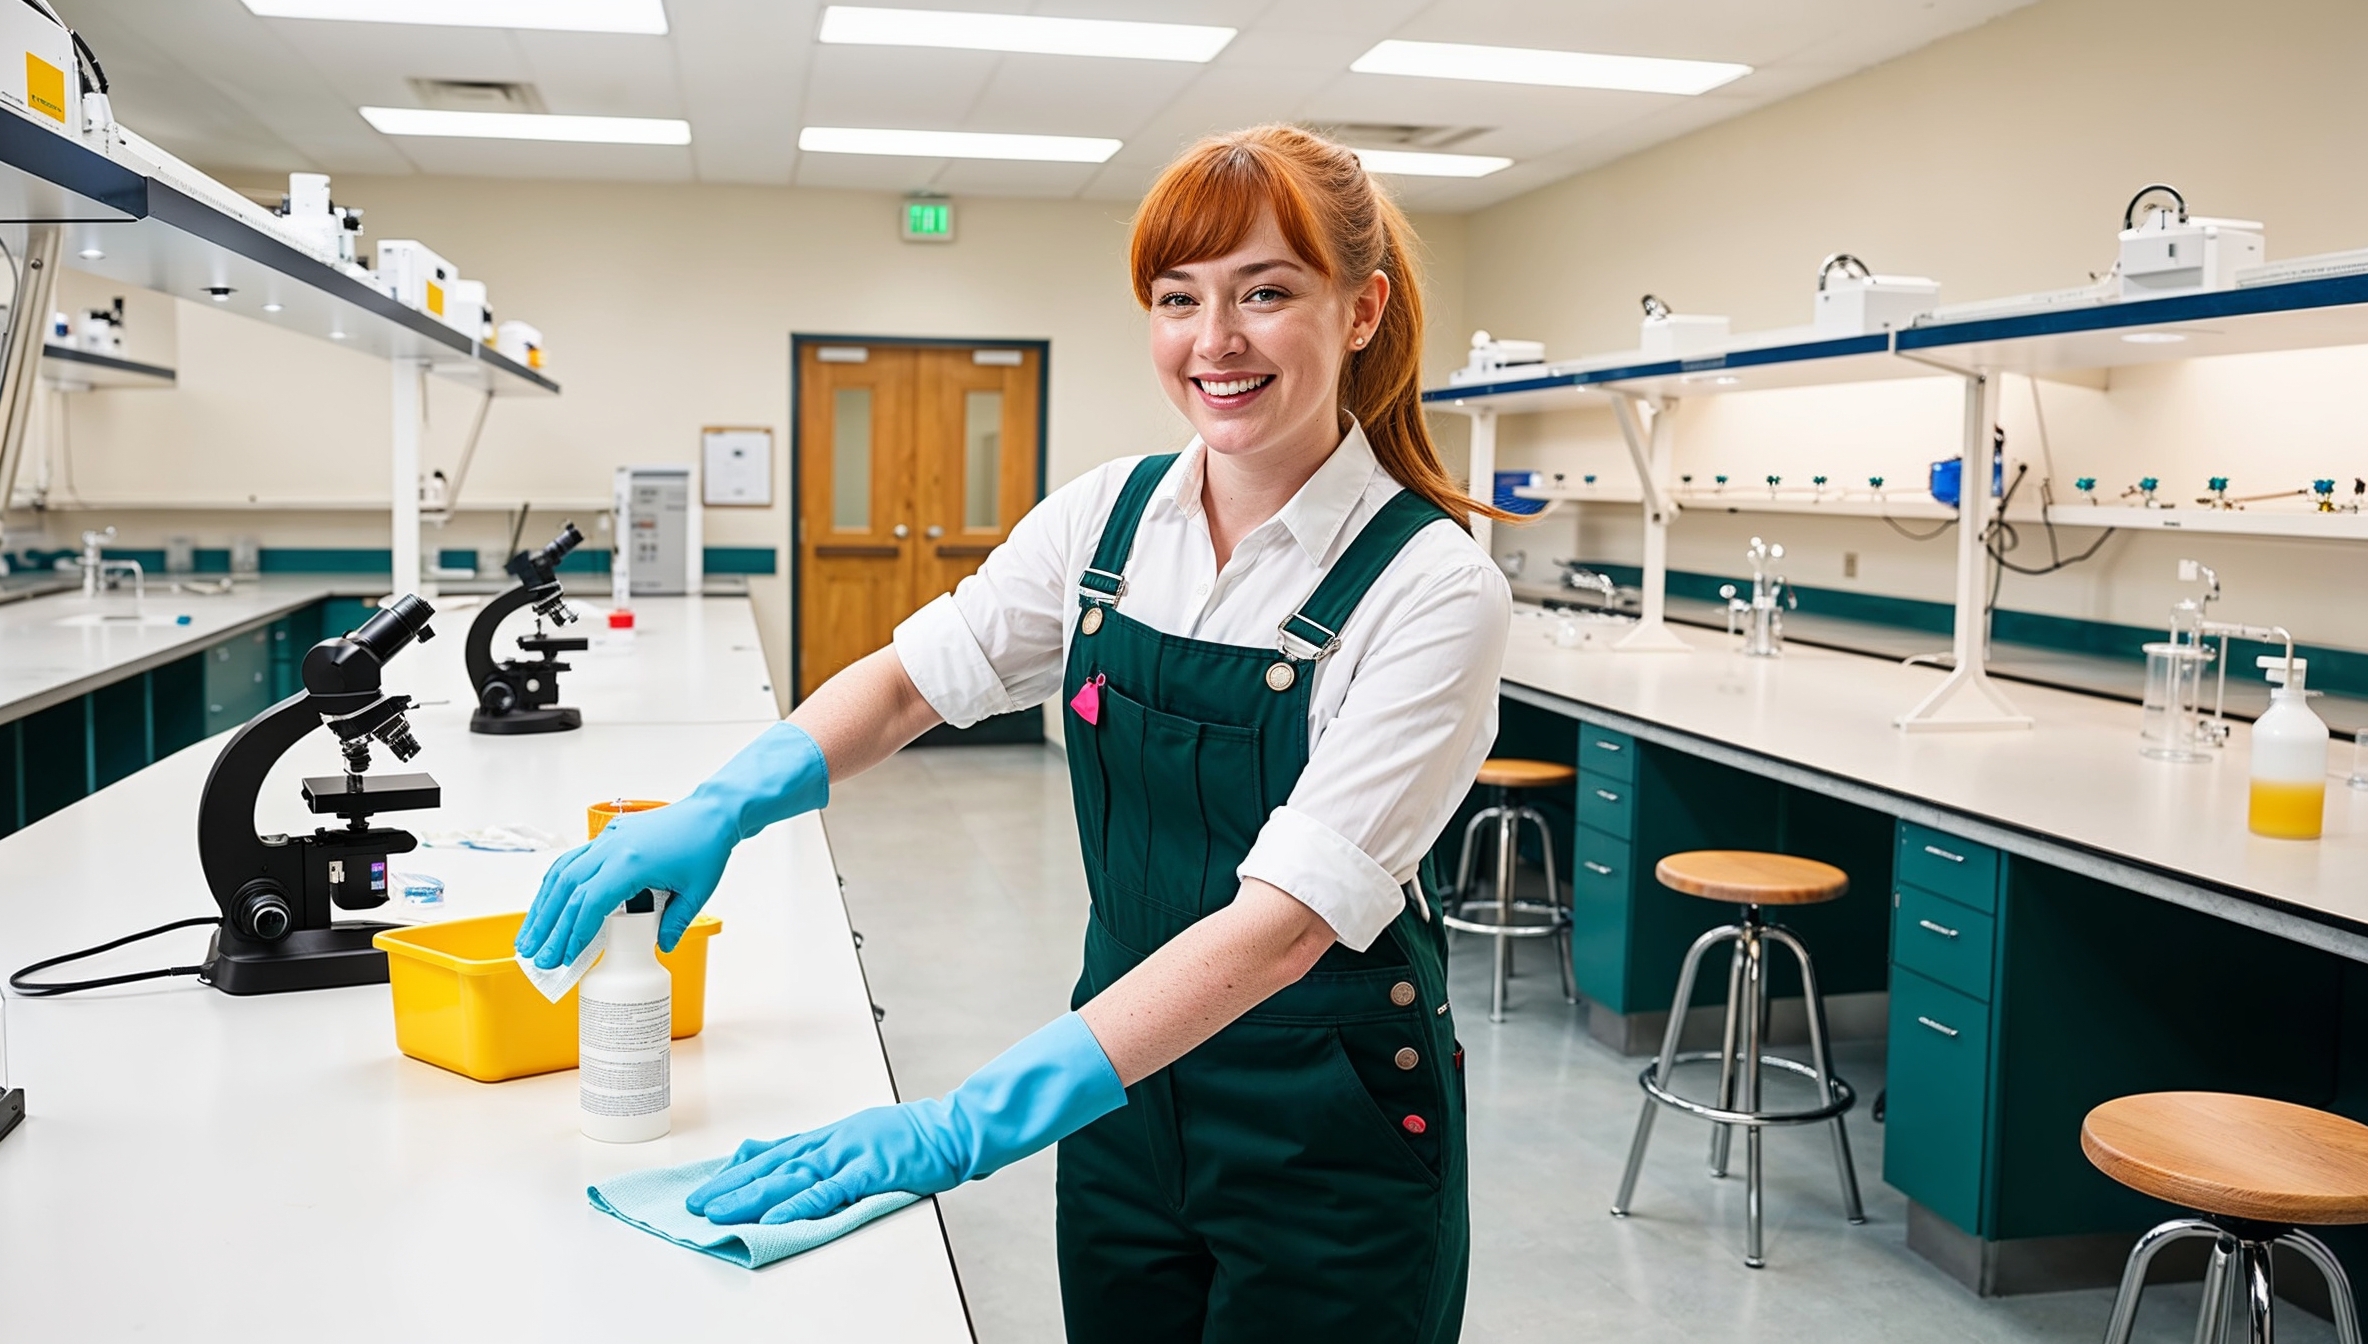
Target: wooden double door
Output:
[{"x": 914, "y": 461}]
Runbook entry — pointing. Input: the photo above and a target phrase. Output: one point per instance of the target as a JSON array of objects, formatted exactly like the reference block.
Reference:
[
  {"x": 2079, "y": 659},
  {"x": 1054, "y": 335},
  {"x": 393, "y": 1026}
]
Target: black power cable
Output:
[{"x": 34, "y": 989}]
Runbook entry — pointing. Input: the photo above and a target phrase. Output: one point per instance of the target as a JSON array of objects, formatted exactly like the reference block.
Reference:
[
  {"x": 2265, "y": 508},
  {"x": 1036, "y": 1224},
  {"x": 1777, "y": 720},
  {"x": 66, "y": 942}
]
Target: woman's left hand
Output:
[{"x": 824, "y": 1170}]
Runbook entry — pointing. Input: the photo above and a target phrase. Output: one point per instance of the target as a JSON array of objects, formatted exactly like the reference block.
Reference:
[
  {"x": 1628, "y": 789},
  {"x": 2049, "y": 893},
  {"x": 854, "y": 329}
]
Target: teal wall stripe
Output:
[{"x": 742, "y": 559}]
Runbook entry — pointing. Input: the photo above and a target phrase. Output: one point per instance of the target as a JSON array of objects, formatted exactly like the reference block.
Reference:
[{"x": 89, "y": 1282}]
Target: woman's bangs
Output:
[{"x": 1208, "y": 202}]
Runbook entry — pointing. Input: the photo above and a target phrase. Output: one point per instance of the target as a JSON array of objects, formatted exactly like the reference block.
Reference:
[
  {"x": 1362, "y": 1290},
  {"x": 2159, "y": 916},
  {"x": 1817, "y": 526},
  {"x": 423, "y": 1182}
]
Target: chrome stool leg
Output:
[
  {"x": 1506, "y": 843},
  {"x": 1722, "y": 1135},
  {"x": 2211, "y": 1317},
  {"x": 1561, "y": 917},
  {"x": 2256, "y": 1285},
  {"x": 1821, "y": 1052},
  {"x": 1463, "y": 865},
  {"x": 1667, "y": 1060},
  {"x": 2339, "y": 1287},
  {"x": 2133, "y": 1274},
  {"x": 1755, "y": 989}
]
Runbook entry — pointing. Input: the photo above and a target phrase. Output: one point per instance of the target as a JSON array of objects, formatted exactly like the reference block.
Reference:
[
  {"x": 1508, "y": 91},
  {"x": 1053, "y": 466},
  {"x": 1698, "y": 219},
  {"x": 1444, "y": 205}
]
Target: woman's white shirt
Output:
[{"x": 1399, "y": 719}]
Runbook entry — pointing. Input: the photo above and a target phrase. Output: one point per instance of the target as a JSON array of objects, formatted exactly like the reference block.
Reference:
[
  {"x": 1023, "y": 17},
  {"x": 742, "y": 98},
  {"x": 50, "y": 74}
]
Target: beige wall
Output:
[
  {"x": 666, "y": 308},
  {"x": 1998, "y": 162}
]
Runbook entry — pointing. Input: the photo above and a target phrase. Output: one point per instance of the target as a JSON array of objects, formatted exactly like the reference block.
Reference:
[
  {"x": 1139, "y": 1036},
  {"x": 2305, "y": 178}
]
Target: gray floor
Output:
[{"x": 962, "y": 872}]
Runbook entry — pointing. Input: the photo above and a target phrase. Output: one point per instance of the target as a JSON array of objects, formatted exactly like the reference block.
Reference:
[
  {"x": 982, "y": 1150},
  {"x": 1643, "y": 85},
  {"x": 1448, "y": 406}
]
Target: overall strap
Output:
[
  {"x": 1316, "y": 625},
  {"x": 1105, "y": 579}
]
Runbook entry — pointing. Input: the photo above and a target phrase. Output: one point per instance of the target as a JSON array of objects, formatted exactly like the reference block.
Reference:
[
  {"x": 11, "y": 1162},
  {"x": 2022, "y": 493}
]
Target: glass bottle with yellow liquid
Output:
[{"x": 2289, "y": 796}]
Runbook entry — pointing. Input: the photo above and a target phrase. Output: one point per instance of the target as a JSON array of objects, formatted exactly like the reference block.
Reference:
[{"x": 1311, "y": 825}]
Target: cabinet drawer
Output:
[
  {"x": 1964, "y": 872},
  {"x": 1599, "y": 911},
  {"x": 1942, "y": 939},
  {"x": 1607, "y": 803},
  {"x": 1607, "y": 753},
  {"x": 1935, "y": 1119}
]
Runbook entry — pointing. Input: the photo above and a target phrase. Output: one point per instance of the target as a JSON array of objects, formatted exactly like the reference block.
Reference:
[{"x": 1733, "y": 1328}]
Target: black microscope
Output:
[
  {"x": 518, "y": 695},
  {"x": 276, "y": 891}
]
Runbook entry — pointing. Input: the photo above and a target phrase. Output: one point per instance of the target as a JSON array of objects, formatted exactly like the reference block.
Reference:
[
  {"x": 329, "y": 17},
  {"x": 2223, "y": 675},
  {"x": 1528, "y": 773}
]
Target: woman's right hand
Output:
[{"x": 679, "y": 848}]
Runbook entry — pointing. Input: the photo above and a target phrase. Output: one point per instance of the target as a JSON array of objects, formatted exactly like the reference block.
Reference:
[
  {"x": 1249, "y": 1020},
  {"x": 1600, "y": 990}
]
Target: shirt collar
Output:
[{"x": 1314, "y": 516}]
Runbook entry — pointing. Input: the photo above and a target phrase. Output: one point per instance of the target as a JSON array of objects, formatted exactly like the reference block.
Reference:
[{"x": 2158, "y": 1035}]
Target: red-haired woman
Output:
[{"x": 1277, "y": 652}]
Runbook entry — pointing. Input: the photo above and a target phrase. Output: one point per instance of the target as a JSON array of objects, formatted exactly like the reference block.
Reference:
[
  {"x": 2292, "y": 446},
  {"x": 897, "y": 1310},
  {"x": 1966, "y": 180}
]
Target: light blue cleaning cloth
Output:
[{"x": 651, "y": 1199}]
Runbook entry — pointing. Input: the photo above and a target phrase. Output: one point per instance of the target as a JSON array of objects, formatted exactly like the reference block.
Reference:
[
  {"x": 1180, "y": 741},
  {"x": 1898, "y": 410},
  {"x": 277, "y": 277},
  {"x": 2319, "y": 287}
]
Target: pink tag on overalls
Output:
[{"x": 1088, "y": 703}]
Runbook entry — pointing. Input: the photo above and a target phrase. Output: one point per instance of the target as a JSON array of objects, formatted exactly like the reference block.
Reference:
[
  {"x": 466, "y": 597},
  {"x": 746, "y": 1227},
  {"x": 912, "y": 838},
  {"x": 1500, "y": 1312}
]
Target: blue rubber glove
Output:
[
  {"x": 1047, "y": 1087},
  {"x": 679, "y": 848}
]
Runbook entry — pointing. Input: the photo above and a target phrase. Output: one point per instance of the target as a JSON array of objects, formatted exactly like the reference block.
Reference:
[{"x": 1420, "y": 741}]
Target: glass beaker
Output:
[
  {"x": 2171, "y": 723},
  {"x": 2359, "y": 779}
]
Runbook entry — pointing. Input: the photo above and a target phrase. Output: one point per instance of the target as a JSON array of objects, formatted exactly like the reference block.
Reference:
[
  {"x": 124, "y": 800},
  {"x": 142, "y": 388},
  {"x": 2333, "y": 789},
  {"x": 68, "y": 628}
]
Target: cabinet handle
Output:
[
  {"x": 1602, "y": 745},
  {"x": 1942, "y": 930},
  {"x": 1607, "y": 795},
  {"x": 1593, "y": 867},
  {"x": 1939, "y": 853},
  {"x": 1945, "y": 1031}
]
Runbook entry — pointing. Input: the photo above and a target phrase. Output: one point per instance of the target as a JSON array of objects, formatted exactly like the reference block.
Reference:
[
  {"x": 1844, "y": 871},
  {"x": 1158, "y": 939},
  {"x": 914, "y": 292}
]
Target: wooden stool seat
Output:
[
  {"x": 1749, "y": 877},
  {"x": 1505, "y": 772},
  {"x": 2235, "y": 1156}
]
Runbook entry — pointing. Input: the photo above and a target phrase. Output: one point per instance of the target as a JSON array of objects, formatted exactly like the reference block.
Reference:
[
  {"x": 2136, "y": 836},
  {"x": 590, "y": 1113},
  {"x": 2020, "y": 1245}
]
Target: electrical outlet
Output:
[{"x": 1849, "y": 564}]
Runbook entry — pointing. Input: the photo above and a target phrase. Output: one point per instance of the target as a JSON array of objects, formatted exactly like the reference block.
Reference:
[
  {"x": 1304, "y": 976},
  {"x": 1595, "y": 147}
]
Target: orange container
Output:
[
  {"x": 599, "y": 815},
  {"x": 461, "y": 1003}
]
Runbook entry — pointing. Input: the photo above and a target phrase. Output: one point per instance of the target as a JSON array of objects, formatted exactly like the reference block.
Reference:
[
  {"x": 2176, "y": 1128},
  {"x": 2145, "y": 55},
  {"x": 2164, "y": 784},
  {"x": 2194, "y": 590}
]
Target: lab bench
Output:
[
  {"x": 94, "y": 689},
  {"x": 2038, "y": 921},
  {"x": 281, "y": 1141}
]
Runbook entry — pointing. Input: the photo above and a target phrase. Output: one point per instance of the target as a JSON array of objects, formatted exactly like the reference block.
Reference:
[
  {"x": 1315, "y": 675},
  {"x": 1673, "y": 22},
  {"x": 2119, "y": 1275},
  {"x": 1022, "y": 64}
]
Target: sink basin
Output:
[{"x": 123, "y": 620}]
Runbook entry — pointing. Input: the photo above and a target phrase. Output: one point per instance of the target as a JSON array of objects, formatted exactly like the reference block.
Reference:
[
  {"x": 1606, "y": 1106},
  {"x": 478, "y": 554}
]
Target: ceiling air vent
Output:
[
  {"x": 476, "y": 95},
  {"x": 1386, "y": 135}
]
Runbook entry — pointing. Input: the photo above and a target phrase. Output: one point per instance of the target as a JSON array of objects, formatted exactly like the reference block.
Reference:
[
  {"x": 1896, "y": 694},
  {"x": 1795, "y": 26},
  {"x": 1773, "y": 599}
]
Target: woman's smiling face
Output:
[{"x": 1249, "y": 345}]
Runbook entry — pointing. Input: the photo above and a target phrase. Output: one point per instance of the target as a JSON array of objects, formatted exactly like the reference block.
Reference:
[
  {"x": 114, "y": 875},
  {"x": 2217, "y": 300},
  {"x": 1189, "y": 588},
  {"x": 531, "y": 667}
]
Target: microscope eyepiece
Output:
[
  {"x": 394, "y": 626},
  {"x": 567, "y": 540}
]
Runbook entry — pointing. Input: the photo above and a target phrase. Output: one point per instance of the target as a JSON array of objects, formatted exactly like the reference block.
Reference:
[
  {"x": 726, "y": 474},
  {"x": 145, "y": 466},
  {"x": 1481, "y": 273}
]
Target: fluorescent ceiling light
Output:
[
  {"x": 956, "y": 145},
  {"x": 1407, "y": 163},
  {"x": 529, "y": 126},
  {"x": 1530, "y": 65},
  {"x": 575, "y": 16},
  {"x": 1032, "y": 33},
  {"x": 2154, "y": 338}
]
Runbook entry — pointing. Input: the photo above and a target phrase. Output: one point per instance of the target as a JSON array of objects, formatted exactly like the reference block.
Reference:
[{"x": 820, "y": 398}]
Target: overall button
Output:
[
  {"x": 1407, "y": 1058},
  {"x": 1401, "y": 993},
  {"x": 1280, "y": 676},
  {"x": 1091, "y": 620}
]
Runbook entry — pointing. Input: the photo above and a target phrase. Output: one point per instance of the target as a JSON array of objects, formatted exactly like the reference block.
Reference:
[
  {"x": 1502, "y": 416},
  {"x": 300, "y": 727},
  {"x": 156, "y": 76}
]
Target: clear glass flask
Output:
[{"x": 2171, "y": 723}]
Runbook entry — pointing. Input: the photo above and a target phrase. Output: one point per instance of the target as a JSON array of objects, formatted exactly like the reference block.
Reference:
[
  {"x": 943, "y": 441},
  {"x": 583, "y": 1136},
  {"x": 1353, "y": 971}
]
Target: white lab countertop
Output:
[
  {"x": 2072, "y": 790},
  {"x": 57, "y": 647},
  {"x": 272, "y": 1168}
]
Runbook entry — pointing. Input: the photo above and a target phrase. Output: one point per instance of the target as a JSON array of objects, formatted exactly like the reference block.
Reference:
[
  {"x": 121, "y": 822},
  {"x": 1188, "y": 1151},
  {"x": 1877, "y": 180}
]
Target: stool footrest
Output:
[
  {"x": 1485, "y": 917},
  {"x": 1844, "y": 1097}
]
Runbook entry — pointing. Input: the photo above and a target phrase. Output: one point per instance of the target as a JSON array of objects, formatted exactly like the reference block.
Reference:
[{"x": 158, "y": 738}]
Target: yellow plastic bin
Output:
[{"x": 461, "y": 1003}]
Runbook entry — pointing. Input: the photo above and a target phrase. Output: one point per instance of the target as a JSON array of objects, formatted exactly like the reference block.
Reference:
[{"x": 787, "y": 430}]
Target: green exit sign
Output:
[{"x": 929, "y": 221}]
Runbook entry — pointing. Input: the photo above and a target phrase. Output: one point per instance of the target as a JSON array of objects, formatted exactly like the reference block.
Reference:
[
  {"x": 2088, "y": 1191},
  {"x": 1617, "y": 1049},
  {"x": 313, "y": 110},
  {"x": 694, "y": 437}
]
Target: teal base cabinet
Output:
[
  {"x": 66, "y": 752},
  {"x": 2023, "y": 996},
  {"x": 1636, "y": 802}
]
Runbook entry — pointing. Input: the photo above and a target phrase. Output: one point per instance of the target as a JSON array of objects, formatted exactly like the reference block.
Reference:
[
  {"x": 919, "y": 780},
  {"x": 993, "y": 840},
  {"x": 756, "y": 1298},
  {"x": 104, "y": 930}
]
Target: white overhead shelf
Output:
[
  {"x": 1745, "y": 501},
  {"x": 81, "y": 370},
  {"x": 141, "y": 231},
  {"x": 2298, "y": 315},
  {"x": 2237, "y": 522},
  {"x": 1581, "y": 494}
]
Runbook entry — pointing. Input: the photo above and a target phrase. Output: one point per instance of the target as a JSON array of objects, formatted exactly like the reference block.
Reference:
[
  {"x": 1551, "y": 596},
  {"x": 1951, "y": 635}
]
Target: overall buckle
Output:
[
  {"x": 1318, "y": 641},
  {"x": 1101, "y": 593}
]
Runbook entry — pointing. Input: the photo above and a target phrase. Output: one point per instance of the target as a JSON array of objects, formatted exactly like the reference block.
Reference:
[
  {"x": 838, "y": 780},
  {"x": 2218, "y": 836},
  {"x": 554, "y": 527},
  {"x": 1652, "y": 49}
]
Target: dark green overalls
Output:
[{"x": 1300, "y": 1176}]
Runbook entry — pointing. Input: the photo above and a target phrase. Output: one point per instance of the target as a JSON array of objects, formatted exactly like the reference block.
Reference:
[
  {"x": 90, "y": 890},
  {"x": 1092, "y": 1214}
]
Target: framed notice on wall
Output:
[{"x": 739, "y": 465}]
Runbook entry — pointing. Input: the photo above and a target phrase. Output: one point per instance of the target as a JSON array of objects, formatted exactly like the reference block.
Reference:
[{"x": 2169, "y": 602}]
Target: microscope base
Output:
[
  {"x": 553, "y": 719},
  {"x": 329, "y": 958},
  {"x": 12, "y": 1109}
]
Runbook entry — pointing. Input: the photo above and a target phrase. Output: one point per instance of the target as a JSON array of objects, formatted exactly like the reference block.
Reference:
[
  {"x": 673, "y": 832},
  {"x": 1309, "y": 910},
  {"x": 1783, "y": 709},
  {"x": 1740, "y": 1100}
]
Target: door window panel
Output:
[
  {"x": 982, "y": 460},
  {"x": 851, "y": 459}
]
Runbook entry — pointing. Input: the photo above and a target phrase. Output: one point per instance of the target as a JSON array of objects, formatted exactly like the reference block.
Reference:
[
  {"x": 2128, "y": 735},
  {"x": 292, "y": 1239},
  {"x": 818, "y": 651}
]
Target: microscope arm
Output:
[
  {"x": 478, "y": 650},
  {"x": 227, "y": 845}
]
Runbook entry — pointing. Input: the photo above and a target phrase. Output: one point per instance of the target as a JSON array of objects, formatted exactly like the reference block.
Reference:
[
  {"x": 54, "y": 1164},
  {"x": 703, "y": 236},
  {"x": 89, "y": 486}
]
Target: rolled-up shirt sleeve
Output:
[
  {"x": 994, "y": 644},
  {"x": 1392, "y": 766}
]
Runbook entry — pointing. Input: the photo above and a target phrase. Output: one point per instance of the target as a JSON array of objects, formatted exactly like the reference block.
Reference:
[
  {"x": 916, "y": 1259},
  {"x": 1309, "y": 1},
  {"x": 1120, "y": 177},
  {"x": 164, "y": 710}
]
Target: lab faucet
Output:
[
  {"x": 1762, "y": 620},
  {"x": 1579, "y": 578},
  {"x": 96, "y": 568}
]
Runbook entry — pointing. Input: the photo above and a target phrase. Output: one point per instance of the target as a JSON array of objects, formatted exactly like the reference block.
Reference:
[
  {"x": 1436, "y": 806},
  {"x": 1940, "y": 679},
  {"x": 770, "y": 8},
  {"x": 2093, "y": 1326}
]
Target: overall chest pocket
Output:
[{"x": 1180, "y": 802}]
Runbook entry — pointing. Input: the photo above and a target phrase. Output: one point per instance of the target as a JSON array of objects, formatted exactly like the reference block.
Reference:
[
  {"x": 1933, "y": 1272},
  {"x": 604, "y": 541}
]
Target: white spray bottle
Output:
[
  {"x": 2289, "y": 795},
  {"x": 625, "y": 1031}
]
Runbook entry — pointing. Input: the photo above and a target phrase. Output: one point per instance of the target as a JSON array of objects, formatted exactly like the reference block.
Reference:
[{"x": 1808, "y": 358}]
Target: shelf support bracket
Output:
[
  {"x": 410, "y": 411},
  {"x": 1483, "y": 473},
  {"x": 1968, "y": 700},
  {"x": 1648, "y": 426}
]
